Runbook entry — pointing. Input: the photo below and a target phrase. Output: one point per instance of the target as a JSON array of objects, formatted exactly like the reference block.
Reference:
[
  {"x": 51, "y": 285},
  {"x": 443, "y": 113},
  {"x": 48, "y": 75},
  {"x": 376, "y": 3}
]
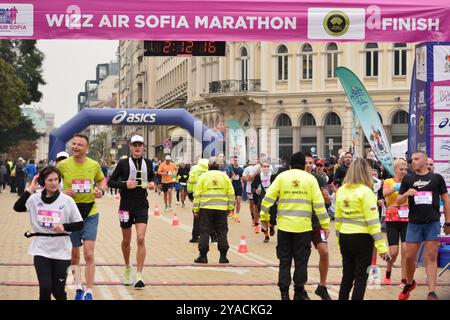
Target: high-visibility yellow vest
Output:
[
  {"x": 357, "y": 212},
  {"x": 214, "y": 191},
  {"x": 195, "y": 173},
  {"x": 298, "y": 194}
]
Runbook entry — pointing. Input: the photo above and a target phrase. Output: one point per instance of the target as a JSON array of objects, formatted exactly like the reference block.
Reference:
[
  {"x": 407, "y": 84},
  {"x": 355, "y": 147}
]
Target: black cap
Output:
[{"x": 297, "y": 159}]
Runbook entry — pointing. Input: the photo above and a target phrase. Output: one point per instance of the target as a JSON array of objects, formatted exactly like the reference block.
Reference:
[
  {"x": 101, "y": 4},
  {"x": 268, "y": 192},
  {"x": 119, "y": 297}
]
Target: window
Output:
[
  {"x": 307, "y": 62},
  {"x": 333, "y": 120},
  {"x": 371, "y": 60},
  {"x": 244, "y": 65},
  {"x": 284, "y": 121},
  {"x": 285, "y": 139},
  {"x": 399, "y": 127},
  {"x": 308, "y": 120},
  {"x": 282, "y": 62},
  {"x": 399, "y": 59},
  {"x": 401, "y": 117},
  {"x": 332, "y": 60}
]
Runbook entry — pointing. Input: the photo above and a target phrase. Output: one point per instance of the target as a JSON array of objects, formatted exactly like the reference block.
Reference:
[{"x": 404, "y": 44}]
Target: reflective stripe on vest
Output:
[
  {"x": 377, "y": 236},
  {"x": 295, "y": 213},
  {"x": 213, "y": 203},
  {"x": 281, "y": 201}
]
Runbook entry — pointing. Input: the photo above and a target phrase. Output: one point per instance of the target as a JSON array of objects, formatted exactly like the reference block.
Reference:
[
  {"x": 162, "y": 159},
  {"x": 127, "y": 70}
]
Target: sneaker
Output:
[
  {"x": 139, "y": 283},
  {"x": 271, "y": 231},
  {"x": 169, "y": 208},
  {"x": 214, "y": 238},
  {"x": 303, "y": 295},
  {"x": 322, "y": 292},
  {"x": 178, "y": 203},
  {"x": 127, "y": 277},
  {"x": 236, "y": 218},
  {"x": 79, "y": 294},
  {"x": 193, "y": 240},
  {"x": 183, "y": 205},
  {"x": 404, "y": 295},
  {"x": 88, "y": 296},
  {"x": 256, "y": 229},
  {"x": 387, "y": 281},
  {"x": 266, "y": 239},
  {"x": 432, "y": 296},
  {"x": 403, "y": 283}
]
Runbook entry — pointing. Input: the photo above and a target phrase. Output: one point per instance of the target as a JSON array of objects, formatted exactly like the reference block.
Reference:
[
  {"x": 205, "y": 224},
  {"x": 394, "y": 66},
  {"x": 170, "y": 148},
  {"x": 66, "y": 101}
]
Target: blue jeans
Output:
[{"x": 89, "y": 231}]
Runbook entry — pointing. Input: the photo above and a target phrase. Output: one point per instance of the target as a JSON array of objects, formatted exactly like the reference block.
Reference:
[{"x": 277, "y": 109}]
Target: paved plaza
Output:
[{"x": 170, "y": 272}]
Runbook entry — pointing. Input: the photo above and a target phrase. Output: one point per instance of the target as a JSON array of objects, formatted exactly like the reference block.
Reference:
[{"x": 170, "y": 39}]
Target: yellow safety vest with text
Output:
[
  {"x": 195, "y": 173},
  {"x": 214, "y": 191},
  {"x": 357, "y": 212},
  {"x": 298, "y": 194}
]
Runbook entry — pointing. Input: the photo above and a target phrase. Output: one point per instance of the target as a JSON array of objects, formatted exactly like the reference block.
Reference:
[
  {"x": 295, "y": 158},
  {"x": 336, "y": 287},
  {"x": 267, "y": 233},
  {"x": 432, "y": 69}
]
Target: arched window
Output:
[
  {"x": 307, "y": 62},
  {"x": 371, "y": 60},
  {"x": 332, "y": 133},
  {"x": 332, "y": 59},
  {"x": 284, "y": 125},
  {"x": 400, "y": 59},
  {"x": 399, "y": 126},
  {"x": 308, "y": 133},
  {"x": 244, "y": 64},
  {"x": 282, "y": 53}
]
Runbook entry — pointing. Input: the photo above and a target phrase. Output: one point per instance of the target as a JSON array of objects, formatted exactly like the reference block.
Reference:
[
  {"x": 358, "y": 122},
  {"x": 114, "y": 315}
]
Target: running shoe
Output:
[
  {"x": 79, "y": 294},
  {"x": 183, "y": 205},
  {"x": 272, "y": 231},
  {"x": 256, "y": 229},
  {"x": 266, "y": 239},
  {"x": 432, "y": 296},
  {"x": 322, "y": 292},
  {"x": 127, "y": 277},
  {"x": 404, "y": 295},
  {"x": 387, "y": 281},
  {"x": 236, "y": 218},
  {"x": 88, "y": 296},
  {"x": 178, "y": 203},
  {"x": 139, "y": 283}
]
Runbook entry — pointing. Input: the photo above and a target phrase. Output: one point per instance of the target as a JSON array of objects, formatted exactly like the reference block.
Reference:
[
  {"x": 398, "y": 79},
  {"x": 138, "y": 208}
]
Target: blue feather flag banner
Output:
[{"x": 368, "y": 117}]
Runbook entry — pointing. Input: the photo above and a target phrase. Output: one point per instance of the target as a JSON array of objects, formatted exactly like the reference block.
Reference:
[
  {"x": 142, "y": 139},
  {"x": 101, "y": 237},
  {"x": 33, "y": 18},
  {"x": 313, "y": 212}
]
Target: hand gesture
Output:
[
  {"x": 69, "y": 192},
  {"x": 411, "y": 192},
  {"x": 33, "y": 184},
  {"x": 59, "y": 228},
  {"x": 98, "y": 193},
  {"x": 151, "y": 186}
]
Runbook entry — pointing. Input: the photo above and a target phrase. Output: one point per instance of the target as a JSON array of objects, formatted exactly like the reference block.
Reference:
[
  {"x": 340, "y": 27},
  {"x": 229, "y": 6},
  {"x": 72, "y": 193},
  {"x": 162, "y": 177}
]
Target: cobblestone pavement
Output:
[{"x": 170, "y": 272}]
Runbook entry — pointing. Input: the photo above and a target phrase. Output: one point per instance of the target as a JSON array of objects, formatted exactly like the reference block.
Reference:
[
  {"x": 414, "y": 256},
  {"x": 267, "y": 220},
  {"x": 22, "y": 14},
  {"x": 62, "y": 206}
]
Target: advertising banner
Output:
[{"x": 379, "y": 21}]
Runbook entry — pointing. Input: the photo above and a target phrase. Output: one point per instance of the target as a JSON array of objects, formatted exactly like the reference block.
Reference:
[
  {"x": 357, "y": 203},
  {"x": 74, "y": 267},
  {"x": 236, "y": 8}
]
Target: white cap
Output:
[
  {"x": 168, "y": 157},
  {"x": 62, "y": 154},
  {"x": 137, "y": 139},
  {"x": 20, "y": 159}
]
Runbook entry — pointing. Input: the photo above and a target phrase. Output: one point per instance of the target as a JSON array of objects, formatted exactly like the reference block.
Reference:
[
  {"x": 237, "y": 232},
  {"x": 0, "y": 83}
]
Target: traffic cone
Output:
[
  {"x": 156, "y": 212},
  {"x": 175, "y": 220},
  {"x": 243, "y": 245}
]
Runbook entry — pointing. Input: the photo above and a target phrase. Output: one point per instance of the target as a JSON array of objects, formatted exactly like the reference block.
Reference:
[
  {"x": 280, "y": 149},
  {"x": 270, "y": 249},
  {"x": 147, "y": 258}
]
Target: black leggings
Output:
[{"x": 52, "y": 275}]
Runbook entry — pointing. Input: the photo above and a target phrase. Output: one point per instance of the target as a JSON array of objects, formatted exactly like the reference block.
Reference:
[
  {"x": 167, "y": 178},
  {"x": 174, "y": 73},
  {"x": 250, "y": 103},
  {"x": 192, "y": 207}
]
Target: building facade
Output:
[{"x": 286, "y": 91}]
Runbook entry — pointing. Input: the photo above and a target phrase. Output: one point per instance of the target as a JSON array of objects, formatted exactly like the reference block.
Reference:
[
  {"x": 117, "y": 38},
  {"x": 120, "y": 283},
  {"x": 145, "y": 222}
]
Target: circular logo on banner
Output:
[
  {"x": 336, "y": 23},
  {"x": 421, "y": 124}
]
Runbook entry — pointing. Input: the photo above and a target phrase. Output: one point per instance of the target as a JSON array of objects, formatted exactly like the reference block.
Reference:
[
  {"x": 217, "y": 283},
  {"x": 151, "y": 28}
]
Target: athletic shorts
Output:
[
  {"x": 89, "y": 231},
  {"x": 423, "y": 232},
  {"x": 182, "y": 187},
  {"x": 318, "y": 236},
  {"x": 396, "y": 230},
  {"x": 132, "y": 214},
  {"x": 237, "y": 191},
  {"x": 167, "y": 186},
  {"x": 249, "y": 196}
]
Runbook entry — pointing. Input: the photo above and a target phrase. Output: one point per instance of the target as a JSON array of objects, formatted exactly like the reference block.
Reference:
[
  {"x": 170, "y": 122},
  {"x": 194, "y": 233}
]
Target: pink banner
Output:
[{"x": 271, "y": 20}]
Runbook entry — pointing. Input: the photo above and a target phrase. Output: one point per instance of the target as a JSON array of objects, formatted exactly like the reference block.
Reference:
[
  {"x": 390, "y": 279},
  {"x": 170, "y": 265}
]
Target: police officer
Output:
[
  {"x": 213, "y": 199},
  {"x": 298, "y": 194}
]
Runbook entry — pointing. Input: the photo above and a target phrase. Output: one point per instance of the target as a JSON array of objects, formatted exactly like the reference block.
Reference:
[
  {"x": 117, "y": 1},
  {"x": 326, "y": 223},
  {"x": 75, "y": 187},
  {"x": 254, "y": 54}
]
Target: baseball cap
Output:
[
  {"x": 20, "y": 159},
  {"x": 62, "y": 154},
  {"x": 137, "y": 139},
  {"x": 320, "y": 162},
  {"x": 168, "y": 157}
]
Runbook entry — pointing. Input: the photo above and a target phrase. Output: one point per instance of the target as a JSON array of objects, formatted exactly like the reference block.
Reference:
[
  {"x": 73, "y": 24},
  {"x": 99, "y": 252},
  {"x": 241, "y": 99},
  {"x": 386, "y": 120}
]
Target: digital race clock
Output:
[{"x": 184, "y": 48}]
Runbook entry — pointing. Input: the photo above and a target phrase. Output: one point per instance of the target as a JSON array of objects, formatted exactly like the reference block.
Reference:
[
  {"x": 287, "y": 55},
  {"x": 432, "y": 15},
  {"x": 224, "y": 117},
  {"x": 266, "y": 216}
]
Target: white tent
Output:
[{"x": 399, "y": 149}]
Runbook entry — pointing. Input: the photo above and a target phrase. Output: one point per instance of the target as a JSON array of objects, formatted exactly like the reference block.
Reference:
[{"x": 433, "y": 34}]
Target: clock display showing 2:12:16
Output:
[{"x": 189, "y": 47}]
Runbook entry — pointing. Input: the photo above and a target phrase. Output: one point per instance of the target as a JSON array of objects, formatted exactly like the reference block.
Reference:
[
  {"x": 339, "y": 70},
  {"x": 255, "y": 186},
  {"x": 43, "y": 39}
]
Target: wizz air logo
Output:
[
  {"x": 444, "y": 96},
  {"x": 445, "y": 147}
]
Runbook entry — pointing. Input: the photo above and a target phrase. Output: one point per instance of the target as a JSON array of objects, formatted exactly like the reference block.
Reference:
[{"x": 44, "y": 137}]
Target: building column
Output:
[
  {"x": 320, "y": 142},
  {"x": 295, "y": 139},
  {"x": 265, "y": 65}
]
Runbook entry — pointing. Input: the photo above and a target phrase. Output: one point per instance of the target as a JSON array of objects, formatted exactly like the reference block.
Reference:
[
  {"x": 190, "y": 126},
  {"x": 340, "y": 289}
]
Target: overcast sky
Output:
[{"x": 67, "y": 65}]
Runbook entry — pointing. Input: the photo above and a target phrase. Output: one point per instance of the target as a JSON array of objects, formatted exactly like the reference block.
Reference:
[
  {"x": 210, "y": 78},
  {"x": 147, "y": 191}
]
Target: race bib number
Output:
[
  {"x": 403, "y": 212},
  {"x": 265, "y": 183},
  {"x": 423, "y": 197},
  {"x": 183, "y": 183},
  {"x": 236, "y": 177},
  {"x": 48, "y": 218},
  {"x": 81, "y": 185},
  {"x": 124, "y": 216}
]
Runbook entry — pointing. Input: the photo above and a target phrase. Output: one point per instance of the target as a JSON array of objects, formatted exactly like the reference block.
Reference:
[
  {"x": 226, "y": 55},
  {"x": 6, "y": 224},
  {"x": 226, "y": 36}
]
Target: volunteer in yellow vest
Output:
[
  {"x": 79, "y": 173},
  {"x": 213, "y": 199},
  {"x": 298, "y": 193},
  {"x": 357, "y": 228},
  {"x": 396, "y": 218},
  {"x": 196, "y": 171}
]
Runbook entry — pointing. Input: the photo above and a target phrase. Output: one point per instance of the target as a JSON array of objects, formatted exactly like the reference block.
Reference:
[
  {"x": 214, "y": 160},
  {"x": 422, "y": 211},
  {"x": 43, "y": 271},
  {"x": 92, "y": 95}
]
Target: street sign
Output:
[{"x": 330, "y": 144}]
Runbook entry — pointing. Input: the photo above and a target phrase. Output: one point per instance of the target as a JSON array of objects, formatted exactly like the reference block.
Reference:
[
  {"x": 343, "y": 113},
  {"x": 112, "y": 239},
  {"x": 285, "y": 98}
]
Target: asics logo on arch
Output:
[{"x": 134, "y": 117}]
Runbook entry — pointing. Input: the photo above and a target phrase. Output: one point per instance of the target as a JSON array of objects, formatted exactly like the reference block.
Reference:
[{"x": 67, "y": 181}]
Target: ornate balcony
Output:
[{"x": 235, "y": 86}]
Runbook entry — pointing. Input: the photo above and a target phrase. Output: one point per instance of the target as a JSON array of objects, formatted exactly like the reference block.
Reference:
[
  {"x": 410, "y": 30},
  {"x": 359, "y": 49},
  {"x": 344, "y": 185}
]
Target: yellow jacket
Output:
[
  {"x": 357, "y": 212},
  {"x": 195, "y": 173},
  {"x": 214, "y": 191},
  {"x": 298, "y": 193}
]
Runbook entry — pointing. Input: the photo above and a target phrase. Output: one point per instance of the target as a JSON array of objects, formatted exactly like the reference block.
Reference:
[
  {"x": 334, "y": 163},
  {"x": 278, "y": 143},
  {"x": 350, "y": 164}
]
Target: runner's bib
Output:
[
  {"x": 183, "y": 183},
  {"x": 235, "y": 177},
  {"x": 403, "y": 212},
  {"x": 124, "y": 216},
  {"x": 265, "y": 183},
  {"x": 81, "y": 185},
  {"x": 423, "y": 197},
  {"x": 48, "y": 218}
]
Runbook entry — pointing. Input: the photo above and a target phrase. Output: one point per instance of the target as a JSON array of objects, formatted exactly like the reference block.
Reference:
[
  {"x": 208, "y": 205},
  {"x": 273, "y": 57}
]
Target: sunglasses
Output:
[{"x": 319, "y": 165}]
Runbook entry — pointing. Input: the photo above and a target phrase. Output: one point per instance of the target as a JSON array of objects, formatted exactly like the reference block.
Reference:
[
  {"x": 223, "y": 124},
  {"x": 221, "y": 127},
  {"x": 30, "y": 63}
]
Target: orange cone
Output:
[
  {"x": 243, "y": 245},
  {"x": 156, "y": 212},
  {"x": 175, "y": 220}
]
